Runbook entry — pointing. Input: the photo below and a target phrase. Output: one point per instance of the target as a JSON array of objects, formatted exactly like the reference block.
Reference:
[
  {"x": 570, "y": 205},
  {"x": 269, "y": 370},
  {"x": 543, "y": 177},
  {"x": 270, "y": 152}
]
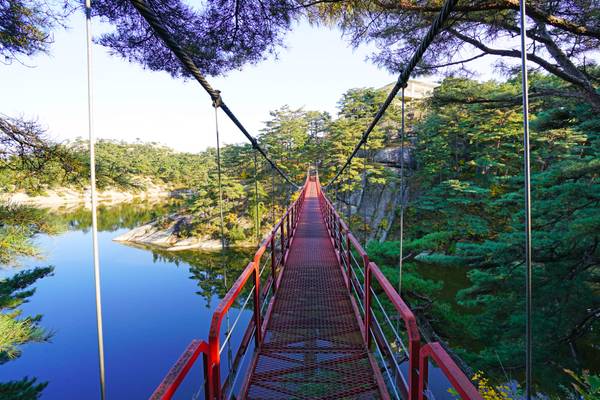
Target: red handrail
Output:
[
  {"x": 410, "y": 322},
  {"x": 211, "y": 350},
  {"x": 182, "y": 366},
  {"x": 459, "y": 381},
  {"x": 372, "y": 270},
  {"x": 417, "y": 373}
]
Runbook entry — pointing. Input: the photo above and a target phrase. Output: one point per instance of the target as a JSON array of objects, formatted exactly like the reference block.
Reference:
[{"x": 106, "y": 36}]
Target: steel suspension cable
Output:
[
  {"x": 256, "y": 196},
  {"x": 527, "y": 206},
  {"x": 224, "y": 265},
  {"x": 402, "y": 135},
  {"x": 163, "y": 33},
  {"x": 273, "y": 195},
  {"x": 94, "y": 199},
  {"x": 364, "y": 193},
  {"x": 219, "y": 182},
  {"x": 434, "y": 29},
  {"x": 401, "y": 246}
]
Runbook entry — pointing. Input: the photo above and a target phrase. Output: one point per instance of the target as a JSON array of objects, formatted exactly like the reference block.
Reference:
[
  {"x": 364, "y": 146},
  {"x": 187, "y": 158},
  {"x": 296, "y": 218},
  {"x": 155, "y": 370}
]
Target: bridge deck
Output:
[{"x": 313, "y": 347}]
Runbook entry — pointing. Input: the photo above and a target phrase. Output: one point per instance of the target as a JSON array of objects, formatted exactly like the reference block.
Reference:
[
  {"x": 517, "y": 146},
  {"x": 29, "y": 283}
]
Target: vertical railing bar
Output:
[
  {"x": 386, "y": 368},
  {"x": 396, "y": 334}
]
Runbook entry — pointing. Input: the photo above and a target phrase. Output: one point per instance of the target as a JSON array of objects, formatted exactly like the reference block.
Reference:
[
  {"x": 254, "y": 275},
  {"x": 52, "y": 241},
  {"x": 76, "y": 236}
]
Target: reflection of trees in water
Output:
[
  {"x": 214, "y": 271},
  {"x": 16, "y": 331},
  {"x": 113, "y": 217},
  {"x": 17, "y": 225}
]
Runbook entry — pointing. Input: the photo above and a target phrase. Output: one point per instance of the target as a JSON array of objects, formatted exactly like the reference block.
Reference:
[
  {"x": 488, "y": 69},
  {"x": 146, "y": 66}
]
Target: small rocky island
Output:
[{"x": 168, "y": 235}]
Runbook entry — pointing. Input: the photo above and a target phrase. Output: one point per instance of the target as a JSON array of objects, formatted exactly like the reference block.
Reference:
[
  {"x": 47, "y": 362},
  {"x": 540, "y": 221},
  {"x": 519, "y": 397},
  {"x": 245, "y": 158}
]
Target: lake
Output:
[{"x": 154, "y": 304}]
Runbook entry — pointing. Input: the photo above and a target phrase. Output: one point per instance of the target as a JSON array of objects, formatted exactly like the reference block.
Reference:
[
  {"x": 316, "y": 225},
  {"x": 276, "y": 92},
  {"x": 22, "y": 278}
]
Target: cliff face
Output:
[{"x": 380, "y": 203}]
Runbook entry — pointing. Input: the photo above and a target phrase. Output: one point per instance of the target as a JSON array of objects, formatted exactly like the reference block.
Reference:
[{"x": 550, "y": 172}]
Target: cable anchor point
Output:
[{"x": 217, "y": 101}]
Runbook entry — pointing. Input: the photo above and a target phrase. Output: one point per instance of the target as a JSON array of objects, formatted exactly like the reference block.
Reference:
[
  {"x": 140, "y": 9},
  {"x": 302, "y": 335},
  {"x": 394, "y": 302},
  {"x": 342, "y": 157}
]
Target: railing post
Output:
[
  {"x": 348, "y": 265},
  {"x": 339, "y": 229},
  {"x": 258, "y": 334},
  {"x": 289, "y": 233},
  {"x": 367, "y": 294},
  {"x": 282, "y": 241},
  {"x": 414, "y": 350},
  {"x": 335, "y": 232},
  {"x": 207, "y": 383},
  {"x": 273, "y": 262},
  {"x": 423, "y": 380},
  {"x": 293, "y": 215},
  {"x": 214, "y": 370}
]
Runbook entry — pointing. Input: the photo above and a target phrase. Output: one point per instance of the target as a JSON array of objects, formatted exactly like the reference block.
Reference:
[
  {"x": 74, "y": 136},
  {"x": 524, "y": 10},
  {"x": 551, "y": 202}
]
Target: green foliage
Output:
[
  {"x": 15, "y": 291},
  {"x": 121, "y": 165},
  {"x": 25, "y": 27},
  {"x": 24, "y": 389},
  {"x": 586, "y": 385},
  {"x": 357, "y": 108},
  {"x": 469, "y": 180}
]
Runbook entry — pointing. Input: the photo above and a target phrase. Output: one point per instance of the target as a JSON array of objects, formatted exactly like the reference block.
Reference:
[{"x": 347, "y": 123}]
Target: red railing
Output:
[
  {"x": 459, "y": 381},
  {"x": 177, "y": 373},
  {"x": 340, "y": 234},
  {"x": 215, "y": 385},
  {"x": 346, "y": 245}
]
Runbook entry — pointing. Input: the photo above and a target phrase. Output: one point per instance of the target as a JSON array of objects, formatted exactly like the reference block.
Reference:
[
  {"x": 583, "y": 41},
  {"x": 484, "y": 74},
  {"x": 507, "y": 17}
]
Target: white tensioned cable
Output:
[
  {"x": 527, "y": 206},
  {"x": 94, "y": 200},
  {"x": 401, "y": 262}
]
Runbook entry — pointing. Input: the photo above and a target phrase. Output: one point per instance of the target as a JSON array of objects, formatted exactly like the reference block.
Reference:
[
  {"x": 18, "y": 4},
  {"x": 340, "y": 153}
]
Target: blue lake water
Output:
[{"x": 154, "y": 304}]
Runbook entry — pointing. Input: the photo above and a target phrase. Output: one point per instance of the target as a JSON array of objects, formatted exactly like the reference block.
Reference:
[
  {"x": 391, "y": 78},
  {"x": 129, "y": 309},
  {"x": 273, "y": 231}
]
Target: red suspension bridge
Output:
[
  {"x": 326, "y": 323},
  {"x": 319, "y": 328}
]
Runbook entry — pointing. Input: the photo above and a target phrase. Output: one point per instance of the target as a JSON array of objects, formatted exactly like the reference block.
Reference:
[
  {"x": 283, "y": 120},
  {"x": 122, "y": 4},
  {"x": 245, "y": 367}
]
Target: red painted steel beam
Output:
[
  {"x": 180, "y": 369},
  {"x": 457, "y": 378}
]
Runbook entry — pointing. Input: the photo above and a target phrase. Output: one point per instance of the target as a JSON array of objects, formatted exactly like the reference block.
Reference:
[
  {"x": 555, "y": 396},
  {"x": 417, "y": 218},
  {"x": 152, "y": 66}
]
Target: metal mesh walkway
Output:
[{"x": 313, "y": 346}]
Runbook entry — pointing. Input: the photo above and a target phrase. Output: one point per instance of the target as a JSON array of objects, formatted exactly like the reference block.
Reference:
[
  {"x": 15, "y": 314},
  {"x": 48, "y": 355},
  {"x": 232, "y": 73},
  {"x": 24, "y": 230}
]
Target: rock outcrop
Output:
[
  {"x": 379, "y": 203},
  {"x": 167, "y": 238}
]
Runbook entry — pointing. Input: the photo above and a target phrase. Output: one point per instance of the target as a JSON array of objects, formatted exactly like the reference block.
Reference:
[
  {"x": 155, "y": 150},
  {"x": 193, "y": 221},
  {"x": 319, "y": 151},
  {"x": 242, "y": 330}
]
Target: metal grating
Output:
[{"x": 313, "y": 347}]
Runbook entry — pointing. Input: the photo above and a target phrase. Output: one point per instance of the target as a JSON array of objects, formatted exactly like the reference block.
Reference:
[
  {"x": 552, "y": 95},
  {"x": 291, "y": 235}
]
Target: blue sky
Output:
[{"x": 130, "y": 102}]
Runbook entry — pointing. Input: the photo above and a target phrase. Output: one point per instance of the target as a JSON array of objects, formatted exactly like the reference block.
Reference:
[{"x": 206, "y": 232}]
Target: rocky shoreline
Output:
[{"x": 152, "y": 234}]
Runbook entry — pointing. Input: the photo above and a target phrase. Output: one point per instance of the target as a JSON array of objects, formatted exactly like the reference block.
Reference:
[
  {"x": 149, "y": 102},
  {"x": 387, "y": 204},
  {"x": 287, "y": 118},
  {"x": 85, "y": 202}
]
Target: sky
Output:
[{"x": 131, "y": 103}]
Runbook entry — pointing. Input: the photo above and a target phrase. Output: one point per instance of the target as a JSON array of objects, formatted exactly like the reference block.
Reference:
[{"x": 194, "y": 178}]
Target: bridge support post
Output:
[
  {"x": 273, "y": 262},
  {"x": 212, "y": 370},
  {"x": 207, "y": 383},
  {"x": 414, "y": 349},
  {"x": 287, "y": 227},
  {"x": 347, "y": 255},
  {"x": 282, "y": 241},
  {"x": 339, "y": 229},
  {"x": 258, "y": 334},
  {"x": 367, "y": 300}
]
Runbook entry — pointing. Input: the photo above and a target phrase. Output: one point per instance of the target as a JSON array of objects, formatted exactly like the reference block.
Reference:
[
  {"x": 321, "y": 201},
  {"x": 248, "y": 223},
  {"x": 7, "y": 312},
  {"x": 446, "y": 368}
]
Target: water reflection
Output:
[
  {"x": 111, "y": 218},
  {"x": 214, "y": 271},
  {"x": 154, "y": 303}
]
